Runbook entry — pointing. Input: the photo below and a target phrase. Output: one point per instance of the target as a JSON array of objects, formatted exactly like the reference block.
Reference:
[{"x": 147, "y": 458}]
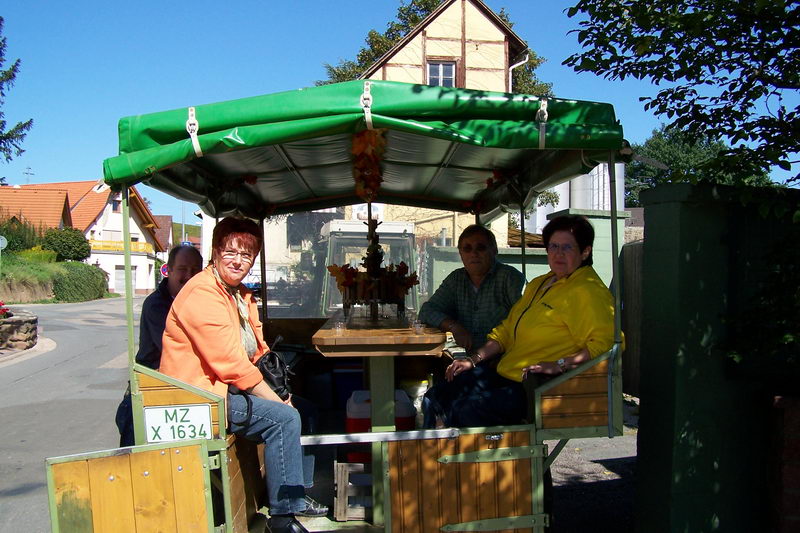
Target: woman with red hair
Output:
[{"x": 213, "y": 339}]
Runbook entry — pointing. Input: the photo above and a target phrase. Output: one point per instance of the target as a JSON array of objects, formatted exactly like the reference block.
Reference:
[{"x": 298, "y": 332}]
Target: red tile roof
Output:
[
  {"x": 85, "y": 203},
  {"x": 45, "y": 208}
]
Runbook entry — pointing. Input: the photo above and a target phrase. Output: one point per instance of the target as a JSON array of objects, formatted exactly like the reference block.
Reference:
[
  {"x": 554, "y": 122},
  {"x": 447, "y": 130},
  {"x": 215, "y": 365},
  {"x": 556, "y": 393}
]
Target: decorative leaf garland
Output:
[{"x": 368, "y": 149}]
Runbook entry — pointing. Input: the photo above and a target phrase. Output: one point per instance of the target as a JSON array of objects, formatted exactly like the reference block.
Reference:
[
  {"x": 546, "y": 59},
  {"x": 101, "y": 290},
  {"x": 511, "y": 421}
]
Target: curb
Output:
[{"x": 43, "y": 346}]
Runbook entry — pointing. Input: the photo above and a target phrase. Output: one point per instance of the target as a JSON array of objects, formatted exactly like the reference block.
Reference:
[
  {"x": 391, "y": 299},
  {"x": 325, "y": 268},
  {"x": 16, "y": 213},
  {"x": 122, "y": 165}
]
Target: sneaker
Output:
[
  {"x": 313, "y": 508},
  {"x": 284, "y": 524}
]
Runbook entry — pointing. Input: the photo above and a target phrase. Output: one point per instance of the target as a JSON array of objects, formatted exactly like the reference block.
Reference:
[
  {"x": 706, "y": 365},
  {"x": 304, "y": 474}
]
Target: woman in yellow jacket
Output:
[{"x": 564, "y": 318}]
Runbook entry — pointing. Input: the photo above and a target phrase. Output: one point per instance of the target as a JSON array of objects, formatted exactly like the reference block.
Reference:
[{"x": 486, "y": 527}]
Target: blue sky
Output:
[{"x": 87, "y": 63}]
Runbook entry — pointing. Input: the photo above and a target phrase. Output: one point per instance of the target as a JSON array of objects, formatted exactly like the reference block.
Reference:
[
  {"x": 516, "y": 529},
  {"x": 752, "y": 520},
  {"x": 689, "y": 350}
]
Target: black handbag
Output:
[{"x": 275, "y": 371}]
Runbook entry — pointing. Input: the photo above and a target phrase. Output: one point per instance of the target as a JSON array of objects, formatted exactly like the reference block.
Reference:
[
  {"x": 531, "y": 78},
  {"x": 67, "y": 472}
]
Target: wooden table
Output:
[{"x": 379, "y": 343}]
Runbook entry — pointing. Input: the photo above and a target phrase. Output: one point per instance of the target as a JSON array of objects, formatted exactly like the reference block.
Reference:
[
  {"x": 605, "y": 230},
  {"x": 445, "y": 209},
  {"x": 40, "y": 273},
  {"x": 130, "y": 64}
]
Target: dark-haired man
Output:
[
  {"x": 474, "y": 299},
  {"x": 184, "y": 261}
]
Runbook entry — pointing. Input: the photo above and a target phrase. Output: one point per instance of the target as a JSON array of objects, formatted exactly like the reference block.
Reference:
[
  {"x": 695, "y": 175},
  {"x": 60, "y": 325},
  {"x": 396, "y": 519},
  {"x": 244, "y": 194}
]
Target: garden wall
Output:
[{"x": 19, "y": 332}]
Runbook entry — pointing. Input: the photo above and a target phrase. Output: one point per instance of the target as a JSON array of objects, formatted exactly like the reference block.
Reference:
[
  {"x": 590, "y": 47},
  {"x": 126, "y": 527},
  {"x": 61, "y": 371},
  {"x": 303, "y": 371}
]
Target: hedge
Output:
[{"x": 79, "y": 282}]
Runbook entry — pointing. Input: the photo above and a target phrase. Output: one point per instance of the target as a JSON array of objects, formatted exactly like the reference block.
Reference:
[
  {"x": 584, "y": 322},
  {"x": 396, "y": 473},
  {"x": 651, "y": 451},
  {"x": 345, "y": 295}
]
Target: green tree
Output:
[
  {"x": 69, "y": 243},
  {"x": 409, "y": 15},
  {"x": 20, "y": 234},
  {"x": 686, "y": 159},
  {"x": 11, "y": 139},
  {"x": 726, "y": 69}
]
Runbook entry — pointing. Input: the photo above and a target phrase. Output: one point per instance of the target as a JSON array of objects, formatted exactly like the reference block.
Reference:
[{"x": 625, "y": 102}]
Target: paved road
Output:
[{"x": 59, "y": 401}]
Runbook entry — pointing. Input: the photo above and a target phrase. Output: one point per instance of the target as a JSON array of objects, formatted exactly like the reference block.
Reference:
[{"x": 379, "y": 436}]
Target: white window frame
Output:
[{"x": 439, "y": 76}]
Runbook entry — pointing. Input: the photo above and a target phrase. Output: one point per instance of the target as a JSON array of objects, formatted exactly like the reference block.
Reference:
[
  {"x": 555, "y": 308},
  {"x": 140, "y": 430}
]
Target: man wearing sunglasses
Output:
[{"x": 474, "y": 299}]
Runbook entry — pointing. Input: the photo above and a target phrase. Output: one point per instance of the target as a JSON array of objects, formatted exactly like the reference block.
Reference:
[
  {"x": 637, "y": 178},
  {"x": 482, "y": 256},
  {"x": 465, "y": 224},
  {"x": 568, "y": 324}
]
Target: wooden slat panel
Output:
[
  {"x": 599, "y": 368},
  {"x": 73, "y": 505},
  {"x": 468, "y": 474},
  {"x": 574, "y": 421},
  {"x": 449, "y": 483},
  {"x": 487, "y": 475},
  {"x": 191, "y": 514},
  {"x": 112, "y": 494},
  {"x": 147, "y": 381},
  {"x": 580, "y": 384},
  {"x": 395, "y": 487},
  {"x": 176, "y": 396},
  {"x": 523, "y": 499},
  {"x": 430, "y": 485},
  {"x": 410, "y": 471},
  {"x": 153, "y": 494},
  {"x": 238, "y": 506},
  {"x": 575, "y": 404},
  {"x": 250, "y": 461},
  {"x": 505, "y": 480}
]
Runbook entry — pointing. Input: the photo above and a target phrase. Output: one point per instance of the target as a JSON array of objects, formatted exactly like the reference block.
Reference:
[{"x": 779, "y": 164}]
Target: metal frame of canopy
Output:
[{"x": 290, "y": 151}]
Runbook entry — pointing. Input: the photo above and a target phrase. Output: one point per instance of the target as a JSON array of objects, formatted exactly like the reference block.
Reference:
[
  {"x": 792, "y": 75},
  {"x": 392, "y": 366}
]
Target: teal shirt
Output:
[{"x": 479, "y": 311}]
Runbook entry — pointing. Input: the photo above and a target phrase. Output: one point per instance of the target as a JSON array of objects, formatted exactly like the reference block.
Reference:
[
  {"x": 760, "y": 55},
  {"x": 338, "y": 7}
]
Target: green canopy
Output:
[{"x": 291, "y": 151}]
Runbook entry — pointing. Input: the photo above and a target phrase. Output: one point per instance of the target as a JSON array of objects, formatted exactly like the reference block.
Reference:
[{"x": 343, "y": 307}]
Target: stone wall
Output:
[{"x": 19, "y": 332}]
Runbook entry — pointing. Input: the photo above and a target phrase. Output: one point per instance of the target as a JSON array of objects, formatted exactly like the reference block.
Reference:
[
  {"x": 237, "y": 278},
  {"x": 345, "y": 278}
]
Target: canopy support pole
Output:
[
  {"x": 616, "y": 281},
  {"x": 126, "y": 246},
  {"x": 263, "y": 257},
  {"x": 522, "y": 234}
]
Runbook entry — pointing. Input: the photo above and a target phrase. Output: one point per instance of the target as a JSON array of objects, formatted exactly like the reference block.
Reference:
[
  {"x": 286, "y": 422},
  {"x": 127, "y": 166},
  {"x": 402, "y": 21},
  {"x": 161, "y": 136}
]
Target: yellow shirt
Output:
[{"x": 547, "y": 324}]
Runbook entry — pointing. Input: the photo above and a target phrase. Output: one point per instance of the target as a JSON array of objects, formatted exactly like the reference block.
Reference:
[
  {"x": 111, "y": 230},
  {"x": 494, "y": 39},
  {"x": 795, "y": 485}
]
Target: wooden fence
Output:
[{"x": 632, "y": 254}]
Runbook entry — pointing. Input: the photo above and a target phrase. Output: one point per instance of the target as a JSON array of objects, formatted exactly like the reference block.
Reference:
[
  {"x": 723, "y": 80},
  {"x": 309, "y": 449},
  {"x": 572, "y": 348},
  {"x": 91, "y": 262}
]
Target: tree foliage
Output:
[
  {"x": 687, "y": 159},
  {"x": 726, "y": 70},
  {"x": 20, "y": 234},
  {"x": 10, "y": 139},
  {"x": 409, "y": 15},
  {"x": 69, "y": 243}
]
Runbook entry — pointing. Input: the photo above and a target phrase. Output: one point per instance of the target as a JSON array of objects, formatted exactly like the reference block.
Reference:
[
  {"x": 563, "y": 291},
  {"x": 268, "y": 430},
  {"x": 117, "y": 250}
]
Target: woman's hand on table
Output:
[{"x": 456, "y": 367}]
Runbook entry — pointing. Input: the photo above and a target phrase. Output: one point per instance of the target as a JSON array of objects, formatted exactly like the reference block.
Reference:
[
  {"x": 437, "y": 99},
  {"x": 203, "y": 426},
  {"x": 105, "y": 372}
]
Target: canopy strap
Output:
[
  {"x": 192, "y": 127},
  {"x": 541, "y": 118},
  {"x": 366, "y": 102}
]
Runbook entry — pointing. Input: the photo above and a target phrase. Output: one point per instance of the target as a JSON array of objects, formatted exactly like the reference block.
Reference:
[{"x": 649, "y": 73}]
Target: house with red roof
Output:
[{"x": 96, "y": 210}]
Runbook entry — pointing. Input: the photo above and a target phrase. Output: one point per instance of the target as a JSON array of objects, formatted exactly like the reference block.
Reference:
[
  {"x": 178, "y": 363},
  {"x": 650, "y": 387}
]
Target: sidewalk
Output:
[{"x": 43, "y": 345}]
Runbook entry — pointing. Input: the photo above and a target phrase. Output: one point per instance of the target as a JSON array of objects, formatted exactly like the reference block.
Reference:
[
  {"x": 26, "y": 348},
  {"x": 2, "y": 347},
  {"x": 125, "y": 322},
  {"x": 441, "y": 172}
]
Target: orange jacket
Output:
[{"x": 202, "y": 342}]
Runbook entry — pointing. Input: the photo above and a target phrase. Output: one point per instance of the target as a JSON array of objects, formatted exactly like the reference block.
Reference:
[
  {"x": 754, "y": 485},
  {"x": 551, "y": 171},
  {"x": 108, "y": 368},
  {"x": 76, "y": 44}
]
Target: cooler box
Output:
[{"x": 358, "y": 418}]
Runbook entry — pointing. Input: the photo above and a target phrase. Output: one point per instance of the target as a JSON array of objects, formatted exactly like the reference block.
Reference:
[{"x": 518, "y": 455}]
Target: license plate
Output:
[{"x": 178, "y": 422}]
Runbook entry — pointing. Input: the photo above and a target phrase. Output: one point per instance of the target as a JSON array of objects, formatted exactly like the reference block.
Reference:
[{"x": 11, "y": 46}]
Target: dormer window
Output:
[{"x": 442, "y": 73}]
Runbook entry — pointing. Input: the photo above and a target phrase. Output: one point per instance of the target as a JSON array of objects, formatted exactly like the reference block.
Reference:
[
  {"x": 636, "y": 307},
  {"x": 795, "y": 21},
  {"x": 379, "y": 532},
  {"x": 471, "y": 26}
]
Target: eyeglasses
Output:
[
  {"x": 554, "y": 248},
  {"x": 230, "y": 255},
  {"x": 480, "y": 248}
]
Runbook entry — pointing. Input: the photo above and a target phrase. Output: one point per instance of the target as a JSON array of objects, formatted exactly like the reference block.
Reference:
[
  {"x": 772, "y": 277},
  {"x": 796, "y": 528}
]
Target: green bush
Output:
[
  {"x": 38, "y": 255},
  {"x": 20, "y": 235},
  {"x": 68, "y": 243},
  {"x": 79, "y": 282}
]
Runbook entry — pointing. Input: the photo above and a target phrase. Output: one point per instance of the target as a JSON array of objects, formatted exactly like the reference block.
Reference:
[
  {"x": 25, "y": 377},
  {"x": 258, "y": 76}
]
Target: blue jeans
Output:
[
  {"x": 277, "y": 425},
  {"x": 309, "y": 415},
  {"x": 476, "y": 398}
]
